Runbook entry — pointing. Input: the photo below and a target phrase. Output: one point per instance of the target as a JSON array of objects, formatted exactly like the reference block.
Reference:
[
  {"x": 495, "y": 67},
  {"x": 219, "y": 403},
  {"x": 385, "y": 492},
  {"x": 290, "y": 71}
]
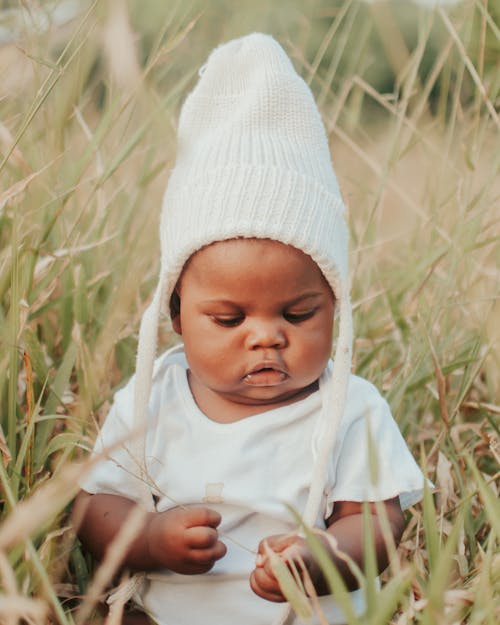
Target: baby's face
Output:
[{"x": 256, "y": 317}]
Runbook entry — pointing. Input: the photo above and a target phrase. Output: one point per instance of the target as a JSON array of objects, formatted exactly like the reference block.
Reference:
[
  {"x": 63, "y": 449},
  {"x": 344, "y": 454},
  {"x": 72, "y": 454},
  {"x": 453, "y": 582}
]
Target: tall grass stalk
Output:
[{"x": 88, "y": 108}]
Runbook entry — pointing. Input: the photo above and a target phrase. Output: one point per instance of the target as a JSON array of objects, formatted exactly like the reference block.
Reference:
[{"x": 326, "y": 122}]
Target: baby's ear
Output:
[
  {"x": 176, "y": 324},
  {"x": 175, "y": 311}
]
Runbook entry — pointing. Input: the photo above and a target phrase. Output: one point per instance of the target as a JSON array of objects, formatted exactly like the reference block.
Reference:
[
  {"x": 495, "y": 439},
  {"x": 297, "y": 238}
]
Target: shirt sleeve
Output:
[
  {"x": 117, "y": 468},
  {"x": 372, "y": 461}
]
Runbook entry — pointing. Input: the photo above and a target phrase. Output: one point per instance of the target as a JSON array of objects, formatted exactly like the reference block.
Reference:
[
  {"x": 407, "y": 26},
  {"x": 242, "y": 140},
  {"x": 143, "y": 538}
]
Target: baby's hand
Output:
[
  {"x": 290, "y": 548},
  {"x": 185, "y": 540}
]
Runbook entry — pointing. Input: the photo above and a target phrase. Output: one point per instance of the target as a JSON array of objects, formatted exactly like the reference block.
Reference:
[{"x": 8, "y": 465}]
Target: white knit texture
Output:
[{"x": 252, "y": 161}]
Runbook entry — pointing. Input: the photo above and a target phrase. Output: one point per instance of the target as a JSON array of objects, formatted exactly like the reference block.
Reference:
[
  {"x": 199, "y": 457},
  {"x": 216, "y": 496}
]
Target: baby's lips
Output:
[{"x": 260, "y": 560}]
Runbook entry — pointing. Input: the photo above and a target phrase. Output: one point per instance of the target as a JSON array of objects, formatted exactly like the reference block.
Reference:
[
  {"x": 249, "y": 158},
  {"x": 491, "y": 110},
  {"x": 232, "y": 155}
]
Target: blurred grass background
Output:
[{"x": 89, "y": 98}]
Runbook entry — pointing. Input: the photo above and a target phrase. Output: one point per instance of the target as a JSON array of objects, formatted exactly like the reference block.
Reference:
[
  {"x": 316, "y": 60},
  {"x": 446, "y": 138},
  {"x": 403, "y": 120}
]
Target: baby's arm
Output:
[
  {"x": 346, "y": 525},
  {"x": 182, "y": 540}
]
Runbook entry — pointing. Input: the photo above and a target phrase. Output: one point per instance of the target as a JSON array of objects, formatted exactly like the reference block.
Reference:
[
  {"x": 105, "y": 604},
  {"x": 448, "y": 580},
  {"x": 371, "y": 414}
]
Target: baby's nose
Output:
[{"x": 266, "y": 334}]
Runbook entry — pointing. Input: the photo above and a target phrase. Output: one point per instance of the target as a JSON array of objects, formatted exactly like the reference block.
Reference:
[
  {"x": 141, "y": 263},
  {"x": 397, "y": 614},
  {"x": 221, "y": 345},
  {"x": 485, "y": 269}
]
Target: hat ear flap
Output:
[
  {"x": 333, "y": 399},
  {"x": 146, "y": 353}
]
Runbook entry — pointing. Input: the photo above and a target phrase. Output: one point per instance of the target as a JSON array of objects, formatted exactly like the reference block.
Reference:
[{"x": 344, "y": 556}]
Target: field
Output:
[{"x": 89, "y": 99}]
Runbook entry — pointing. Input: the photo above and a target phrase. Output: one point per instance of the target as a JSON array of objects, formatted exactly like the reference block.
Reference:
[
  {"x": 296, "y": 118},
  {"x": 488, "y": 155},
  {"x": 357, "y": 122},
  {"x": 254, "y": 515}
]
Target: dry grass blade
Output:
[
  {"x": 444, "y": 481},
  {"x": 14, "y": 607},
  {"x": 30, "y": 515},
  {"x": 494, "y": 441},
  {"x": 312, "y": 70},
  {"x": 50, "y": 83},
  {"x": 20, "y": 187},
  {"x": 115, "y": 613},
  {"x": 6, "y": 140},
  {"x": 112, "y": 560},
  {"x": 9, "y": 582},
  {"x": 4, "y": 449},
  {"x": 391, "y": 37},
  {"x": 378, "y": 170},
  {"x": 441, "y": 383},
  {"x": 120, "y": 46},
  {"x": 470, "y": 66},
  {"x": 328, "y": 568},
  {"x": 295, "y": 596},
  {"x": 311, "y": 592},
  {"x": 476, "y": 405}
]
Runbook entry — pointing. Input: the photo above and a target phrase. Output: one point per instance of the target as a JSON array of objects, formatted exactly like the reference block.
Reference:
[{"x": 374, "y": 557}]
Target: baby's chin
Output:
[
  {"x": 271, "y": 395},
  {"x": 230, "y": 403}
]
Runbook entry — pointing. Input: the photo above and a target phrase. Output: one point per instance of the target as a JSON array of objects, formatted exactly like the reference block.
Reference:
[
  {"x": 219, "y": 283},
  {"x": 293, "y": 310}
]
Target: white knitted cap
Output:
[{"x": 253, "y": 161}]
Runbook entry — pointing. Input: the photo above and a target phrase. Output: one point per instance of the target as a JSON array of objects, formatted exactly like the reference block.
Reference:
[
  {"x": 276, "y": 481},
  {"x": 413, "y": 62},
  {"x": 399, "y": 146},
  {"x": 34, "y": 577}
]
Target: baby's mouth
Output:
[{"x": 265, "y": 376}]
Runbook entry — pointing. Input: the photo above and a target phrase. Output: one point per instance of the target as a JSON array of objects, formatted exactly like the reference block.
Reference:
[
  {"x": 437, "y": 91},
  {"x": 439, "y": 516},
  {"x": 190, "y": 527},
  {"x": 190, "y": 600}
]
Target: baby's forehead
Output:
[
  {"x": 250, "y": 253},
  {"x": 245, "y": 265}
]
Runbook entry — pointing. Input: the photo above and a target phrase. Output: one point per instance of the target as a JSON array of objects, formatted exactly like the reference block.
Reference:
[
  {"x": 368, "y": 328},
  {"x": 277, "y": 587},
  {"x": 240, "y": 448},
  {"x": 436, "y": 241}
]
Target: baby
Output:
[{"x": 248, "y": 413}]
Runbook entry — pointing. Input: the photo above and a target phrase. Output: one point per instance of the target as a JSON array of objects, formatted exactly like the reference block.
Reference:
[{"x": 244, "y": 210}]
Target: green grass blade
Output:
[
  {"x": 491, "y": 503},
  {"x": 14, "y": 315},
  {"x": 370, "y": 560},
  {"x": 389, "y": 597},
  {"x": 333, "y": 578},
  {"x": 58, "y": 387},
  {"x": 439, "y": 576},
  {"x": 432, "y": 539}
]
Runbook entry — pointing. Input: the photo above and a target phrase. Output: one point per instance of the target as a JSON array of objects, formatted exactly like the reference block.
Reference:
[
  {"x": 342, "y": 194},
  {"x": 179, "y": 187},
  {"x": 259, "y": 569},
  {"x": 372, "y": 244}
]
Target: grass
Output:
[{"x": 88, "y": 109}]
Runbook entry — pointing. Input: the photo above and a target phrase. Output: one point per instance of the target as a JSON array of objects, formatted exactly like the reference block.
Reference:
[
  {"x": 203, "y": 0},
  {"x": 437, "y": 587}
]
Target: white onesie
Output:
[{"x": 247, "y": 471}]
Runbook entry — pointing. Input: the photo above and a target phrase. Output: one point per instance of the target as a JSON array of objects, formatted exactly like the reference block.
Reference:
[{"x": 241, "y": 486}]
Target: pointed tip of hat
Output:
[{"x": 240, "y": 54}]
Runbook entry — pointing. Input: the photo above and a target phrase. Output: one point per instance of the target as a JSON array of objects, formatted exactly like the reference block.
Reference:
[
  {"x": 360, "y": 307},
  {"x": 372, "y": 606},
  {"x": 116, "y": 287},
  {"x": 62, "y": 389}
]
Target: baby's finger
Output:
[
  {"x": 260, "y": 560},
  {"x": 202, "y": 516},
  {"x": 201, "y": 537},
  {"x": 196, "y": 568},
  {"x": 265, "y": 586},
  {"x": 266, "y": 579},
  {"x": 208, "y": 556},
  {"x": 276, "y": 543}
]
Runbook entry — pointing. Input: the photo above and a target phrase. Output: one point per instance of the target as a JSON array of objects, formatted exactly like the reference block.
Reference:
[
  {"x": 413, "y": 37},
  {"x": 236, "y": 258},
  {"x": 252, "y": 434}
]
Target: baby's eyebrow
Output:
[
  {"x": 305, "y": 296},
  {"x": 224, "y": 302},
  {"x": 222, "y": 306},
  {"x": 296, "y": 300}
]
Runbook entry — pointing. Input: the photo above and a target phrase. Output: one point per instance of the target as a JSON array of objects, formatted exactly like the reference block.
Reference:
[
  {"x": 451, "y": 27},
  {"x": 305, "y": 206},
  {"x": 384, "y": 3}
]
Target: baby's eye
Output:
[
  {"x": 297, "y": 317},
  {"x": 228, "y": 322}
]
